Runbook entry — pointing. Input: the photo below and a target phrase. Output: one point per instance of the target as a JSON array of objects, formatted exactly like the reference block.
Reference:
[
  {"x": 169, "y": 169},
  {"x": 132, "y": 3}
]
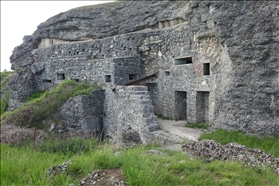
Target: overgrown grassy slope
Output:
[
  {"x": 33, "y": 112},
  {"x": 4, "y": 77}
]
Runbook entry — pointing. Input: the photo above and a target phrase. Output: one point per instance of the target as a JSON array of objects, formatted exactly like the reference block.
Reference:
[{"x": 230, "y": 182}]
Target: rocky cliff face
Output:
[{"x": 238, "y": 39}]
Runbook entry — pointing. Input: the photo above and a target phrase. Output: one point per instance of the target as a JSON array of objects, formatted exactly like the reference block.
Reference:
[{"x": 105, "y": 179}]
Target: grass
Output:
[
  {"x": 163, "y": 117},
  {"x": 200, "y": 125},
  {"x": 268, "y": 144},
  {"x": 35, "y": 95},
  {"x": 32, "y": 113},
  {"x": 26, "y": 166},
  {"x": 4, "y": 102},
  {"x": 4, "y": 78},
  {"x": 5, "y": 74}
]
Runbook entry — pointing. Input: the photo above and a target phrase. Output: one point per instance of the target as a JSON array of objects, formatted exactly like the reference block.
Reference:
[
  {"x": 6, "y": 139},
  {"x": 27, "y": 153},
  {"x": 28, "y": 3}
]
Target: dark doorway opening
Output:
[
  {"x": 180, "y": 105},
  {"x": 202, "y": 107}
]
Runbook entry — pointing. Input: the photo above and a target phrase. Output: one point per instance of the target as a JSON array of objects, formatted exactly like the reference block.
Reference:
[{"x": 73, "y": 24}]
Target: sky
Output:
[{"x": 20, "y": 18}]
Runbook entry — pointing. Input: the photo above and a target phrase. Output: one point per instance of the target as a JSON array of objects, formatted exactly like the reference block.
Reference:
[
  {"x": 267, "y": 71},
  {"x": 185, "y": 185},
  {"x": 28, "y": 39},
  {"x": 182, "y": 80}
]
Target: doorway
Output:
[
  {"x": 202, "y": 107},
  {"x": 180, "y": 105}
]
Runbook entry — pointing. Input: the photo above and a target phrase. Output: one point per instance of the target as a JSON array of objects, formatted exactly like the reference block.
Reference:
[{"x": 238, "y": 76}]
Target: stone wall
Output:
[
  {"x": 129, "y": 107},
  {"x": 81, "y": 115},
  {"x": 230, "y": 49}
]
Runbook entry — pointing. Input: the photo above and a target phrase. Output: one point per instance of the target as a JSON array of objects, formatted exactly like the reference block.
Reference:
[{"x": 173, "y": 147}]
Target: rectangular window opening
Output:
[
  {"x": 60, "y": 76},
  {"x": 108, "y": 78},
  {"x": 206, "y": 69},
  {"x": 183, "y": 61},
  {"x": 133, "y": 77},
  {"x": 76, "y": 80},
  {"x": 46, "y": 81},
  {"x": 167, "y": 73}
]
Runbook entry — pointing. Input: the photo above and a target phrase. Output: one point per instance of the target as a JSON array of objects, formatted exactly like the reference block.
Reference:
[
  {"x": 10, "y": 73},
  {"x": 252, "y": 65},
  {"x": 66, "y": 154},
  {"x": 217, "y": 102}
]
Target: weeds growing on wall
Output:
[
  {"x": 268, "y": 144},
  {"x": 32, "y": 113}
]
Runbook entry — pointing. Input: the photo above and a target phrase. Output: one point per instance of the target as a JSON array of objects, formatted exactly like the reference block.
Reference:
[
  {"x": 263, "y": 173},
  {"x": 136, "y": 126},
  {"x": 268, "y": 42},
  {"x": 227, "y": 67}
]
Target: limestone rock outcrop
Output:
[{"x": 215, "y": 61}]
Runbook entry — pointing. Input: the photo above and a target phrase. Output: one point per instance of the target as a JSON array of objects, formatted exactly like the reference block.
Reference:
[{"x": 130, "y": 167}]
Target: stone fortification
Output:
[
  {"x": 130, "y": 108},
  {"x": 215, "y": 61}
]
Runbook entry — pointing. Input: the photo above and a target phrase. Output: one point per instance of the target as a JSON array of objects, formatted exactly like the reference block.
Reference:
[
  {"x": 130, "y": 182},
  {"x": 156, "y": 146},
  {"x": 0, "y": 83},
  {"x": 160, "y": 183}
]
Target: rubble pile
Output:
[
  {"x": 110, "y": 177},
  {"x": 58, "y": 169},
  {"x": 210, "y": 150}
]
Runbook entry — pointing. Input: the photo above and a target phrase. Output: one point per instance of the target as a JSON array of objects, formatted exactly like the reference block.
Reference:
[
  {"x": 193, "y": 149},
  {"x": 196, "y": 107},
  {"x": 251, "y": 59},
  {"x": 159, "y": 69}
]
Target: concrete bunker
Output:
[
  {"x": 202, "y": 106},
  {"x": 183, "y": 61},
  {"x": 181, "y": 105}
]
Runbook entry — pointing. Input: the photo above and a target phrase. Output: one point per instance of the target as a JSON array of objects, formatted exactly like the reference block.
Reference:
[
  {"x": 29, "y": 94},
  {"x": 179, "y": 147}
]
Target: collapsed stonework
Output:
[{"x": 209, "y": 61}]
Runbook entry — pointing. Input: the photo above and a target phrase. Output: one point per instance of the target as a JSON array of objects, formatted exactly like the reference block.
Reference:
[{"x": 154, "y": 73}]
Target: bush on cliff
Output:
[{"x": 32, "y": 113}]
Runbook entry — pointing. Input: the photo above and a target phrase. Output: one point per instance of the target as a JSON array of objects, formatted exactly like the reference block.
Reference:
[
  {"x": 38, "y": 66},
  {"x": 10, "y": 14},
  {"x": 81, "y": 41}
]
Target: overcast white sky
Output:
[{"x": 20, "y": 18}]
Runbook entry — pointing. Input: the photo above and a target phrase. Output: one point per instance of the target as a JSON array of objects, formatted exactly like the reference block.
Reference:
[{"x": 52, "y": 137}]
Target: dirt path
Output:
[
  {"x": 177, "y": 128},
  {"x": 178, "y": 133}
]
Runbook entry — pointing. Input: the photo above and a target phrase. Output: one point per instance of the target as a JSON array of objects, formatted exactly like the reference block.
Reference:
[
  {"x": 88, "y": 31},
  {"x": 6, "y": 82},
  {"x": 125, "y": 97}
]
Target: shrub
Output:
[{"x": 32, "y": 113}]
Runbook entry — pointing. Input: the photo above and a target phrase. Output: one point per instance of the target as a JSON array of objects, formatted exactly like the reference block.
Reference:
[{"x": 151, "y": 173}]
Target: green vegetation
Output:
[
  {"x": 4, "y": 77},
  {"x": 34, "y": 95},
  {"x": 32, "y": 113},
  {"x": 26, "y": 166},
  {"x": 163, "y": 117},
  {"x": 200, "y": 125},
  {"x": 5, "y": 74},
  {"x": 4, "y": 102},
  {"x": 268, "y": 144},
  {"x": 69, "y": 146}
]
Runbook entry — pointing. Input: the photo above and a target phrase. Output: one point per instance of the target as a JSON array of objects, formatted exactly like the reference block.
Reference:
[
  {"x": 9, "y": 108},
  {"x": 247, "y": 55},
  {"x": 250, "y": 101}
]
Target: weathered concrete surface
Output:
[
  {"x": 81, "y": 115},
  {"x": 239, "y": 39}
]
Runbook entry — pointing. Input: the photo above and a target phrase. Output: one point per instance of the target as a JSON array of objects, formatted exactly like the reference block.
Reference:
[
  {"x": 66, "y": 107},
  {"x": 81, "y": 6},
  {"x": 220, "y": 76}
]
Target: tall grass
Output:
[
  {"x": 4, "y": 78},
  {"x": 4, "y": 102},
  {"x": 25, "y": 166},
  {"x": 268, "y": 144},
  {"x": 32, "y": 113}
]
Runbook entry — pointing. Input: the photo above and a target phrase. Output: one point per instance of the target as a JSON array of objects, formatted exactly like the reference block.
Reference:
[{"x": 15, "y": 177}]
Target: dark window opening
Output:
[
  {"x": 46, "y": 81},
  {"x": 183, "y": 61},
  {"x": 133, "y": 76},
  {"x": 76, "y": 80},
  {"x": 206, "y": 69},
  {"x": 108, "y": 78},
  {"x": 167, "y": 73},
  {"x": 60, "y": 76}
]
